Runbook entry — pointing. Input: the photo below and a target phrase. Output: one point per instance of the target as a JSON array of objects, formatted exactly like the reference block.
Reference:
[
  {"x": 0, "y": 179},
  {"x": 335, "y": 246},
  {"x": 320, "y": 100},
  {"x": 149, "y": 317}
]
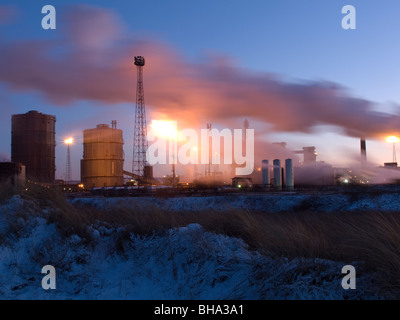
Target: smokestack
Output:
[
  {"x": 289, "y": 174},
  {"x": 363, "y": 151},
  {"x": 277, "y": 174}
]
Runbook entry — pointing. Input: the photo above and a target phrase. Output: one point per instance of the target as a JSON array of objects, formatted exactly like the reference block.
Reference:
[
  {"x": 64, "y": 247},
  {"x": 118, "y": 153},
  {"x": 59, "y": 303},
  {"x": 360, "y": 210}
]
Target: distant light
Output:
[
  {"x": 164, "y": 128},
  {"x": 392, "y": 139},
  {"x": 346, "y": 181},
  {"x": 239, "y": 185},
  {"x": 69, "y": 141}
]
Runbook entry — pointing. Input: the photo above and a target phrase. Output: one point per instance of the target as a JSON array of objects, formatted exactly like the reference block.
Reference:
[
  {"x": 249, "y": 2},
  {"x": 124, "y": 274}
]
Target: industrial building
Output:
[
  {"x": 12, "y": 173},
  {"x": 33, "y": 145},
  {"x": 103, "y": 157},
  {"x": 310, "y": 155},
  {"x": 240, "y": 182},
  {"x": 314, "y": 174}
]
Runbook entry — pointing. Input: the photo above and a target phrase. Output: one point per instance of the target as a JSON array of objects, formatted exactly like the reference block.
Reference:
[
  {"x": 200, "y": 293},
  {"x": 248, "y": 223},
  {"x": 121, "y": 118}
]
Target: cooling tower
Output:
[
  {"x": 33, "y": 145},
  {"x": 103, "y": 157}
]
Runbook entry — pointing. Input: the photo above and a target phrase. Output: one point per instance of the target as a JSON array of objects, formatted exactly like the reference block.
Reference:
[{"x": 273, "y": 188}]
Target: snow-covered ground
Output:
[
  {"x": 269, "y": 202},
  {"x": 184, "y": 263}
]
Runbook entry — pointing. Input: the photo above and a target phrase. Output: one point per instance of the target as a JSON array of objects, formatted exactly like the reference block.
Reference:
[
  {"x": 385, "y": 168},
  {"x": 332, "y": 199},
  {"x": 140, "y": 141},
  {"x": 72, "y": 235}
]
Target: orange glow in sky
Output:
[{"x": 164, "y": 128}]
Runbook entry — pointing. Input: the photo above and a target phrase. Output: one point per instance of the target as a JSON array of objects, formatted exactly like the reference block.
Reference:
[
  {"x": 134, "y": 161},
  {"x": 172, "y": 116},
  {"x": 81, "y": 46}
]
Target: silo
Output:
[
  {"x": 33, "y": 144},
  {"x": 103, "y": 157},
  {"x": 277, "y": 174},
  {"x": 289, "y": 174},
  {"x": 265, "y": 173}
]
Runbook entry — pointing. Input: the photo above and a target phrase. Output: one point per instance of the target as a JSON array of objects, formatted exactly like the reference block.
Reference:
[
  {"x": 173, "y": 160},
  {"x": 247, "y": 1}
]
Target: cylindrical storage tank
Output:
[
  {"x": 277, "y": 174},
  {"x": 103, "y": 157},
  {"x": 289, "y": 174},
  {"x": 265, "y": 173},
  {"x": 33, "y": 144}
]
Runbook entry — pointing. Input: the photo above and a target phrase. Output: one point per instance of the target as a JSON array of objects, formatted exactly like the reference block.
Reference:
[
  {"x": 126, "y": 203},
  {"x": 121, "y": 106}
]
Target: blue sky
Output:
[{"x": 294, "y": 40}]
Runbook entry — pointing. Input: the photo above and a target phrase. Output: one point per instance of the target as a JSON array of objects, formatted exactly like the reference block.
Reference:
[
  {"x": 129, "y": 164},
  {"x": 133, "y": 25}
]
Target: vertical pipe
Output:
[
  {"x": 265, "y": 173},
  {"x": 277, "y": 174},
  {"x": 289, "y": 174},
  {"x": 173, "y": 176}
]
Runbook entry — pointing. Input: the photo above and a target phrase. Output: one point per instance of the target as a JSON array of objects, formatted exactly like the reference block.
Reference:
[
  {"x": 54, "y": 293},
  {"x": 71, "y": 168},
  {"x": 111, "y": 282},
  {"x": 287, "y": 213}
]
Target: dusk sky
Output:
[{"x": 287, "y": 66}]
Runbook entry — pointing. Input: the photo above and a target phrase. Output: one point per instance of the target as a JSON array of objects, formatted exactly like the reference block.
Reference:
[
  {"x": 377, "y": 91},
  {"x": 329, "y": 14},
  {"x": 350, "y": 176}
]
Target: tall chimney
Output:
[{"x": 363, "y": 151}]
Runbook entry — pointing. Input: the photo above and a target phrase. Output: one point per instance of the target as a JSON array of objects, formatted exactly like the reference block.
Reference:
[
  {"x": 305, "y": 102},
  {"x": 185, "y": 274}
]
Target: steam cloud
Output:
[{"x": 93, "y": 60}]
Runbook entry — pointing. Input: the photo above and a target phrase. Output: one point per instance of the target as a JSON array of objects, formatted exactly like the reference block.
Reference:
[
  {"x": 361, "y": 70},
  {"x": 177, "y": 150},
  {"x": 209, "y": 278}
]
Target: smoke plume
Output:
[{"x": 93, "y": 60}]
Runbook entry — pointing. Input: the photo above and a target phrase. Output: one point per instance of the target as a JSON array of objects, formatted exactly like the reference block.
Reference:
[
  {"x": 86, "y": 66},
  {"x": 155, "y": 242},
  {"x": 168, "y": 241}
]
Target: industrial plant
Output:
[{"x": 33, "y": 143}]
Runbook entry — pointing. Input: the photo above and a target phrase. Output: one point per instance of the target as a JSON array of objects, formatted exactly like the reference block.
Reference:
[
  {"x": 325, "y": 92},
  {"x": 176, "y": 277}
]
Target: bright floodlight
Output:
[
  {"x": 163, "y": 128},
  {"x": 392, "y": 139},
  {"x": 69, "y": 141}
]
